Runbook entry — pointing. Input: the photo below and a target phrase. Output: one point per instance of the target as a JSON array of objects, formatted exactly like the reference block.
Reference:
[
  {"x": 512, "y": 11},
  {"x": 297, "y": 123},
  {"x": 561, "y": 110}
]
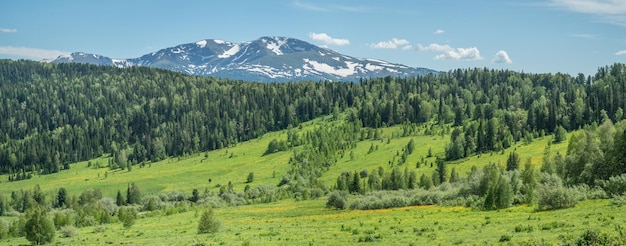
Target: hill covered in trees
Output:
[{"x": 55, "y": 114}]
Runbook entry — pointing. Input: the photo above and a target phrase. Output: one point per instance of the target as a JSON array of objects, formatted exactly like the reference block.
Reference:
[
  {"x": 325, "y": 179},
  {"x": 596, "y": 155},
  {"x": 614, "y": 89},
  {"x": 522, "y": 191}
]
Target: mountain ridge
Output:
[{"x": 266, "y": 59}]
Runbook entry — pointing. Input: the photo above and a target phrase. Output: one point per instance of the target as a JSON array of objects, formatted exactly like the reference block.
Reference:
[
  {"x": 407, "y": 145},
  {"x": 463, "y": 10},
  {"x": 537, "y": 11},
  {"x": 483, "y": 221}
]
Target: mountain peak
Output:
[{"x": 268, "y": 58}]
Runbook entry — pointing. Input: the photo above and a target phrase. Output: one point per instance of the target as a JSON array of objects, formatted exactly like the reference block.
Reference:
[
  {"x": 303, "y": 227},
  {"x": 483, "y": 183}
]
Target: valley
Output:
[{"x": 105, "y": 155}]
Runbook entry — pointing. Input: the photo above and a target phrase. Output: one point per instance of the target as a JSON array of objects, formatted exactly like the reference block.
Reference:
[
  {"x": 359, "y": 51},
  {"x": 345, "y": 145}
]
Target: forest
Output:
[{"x": 55, "y": 115}]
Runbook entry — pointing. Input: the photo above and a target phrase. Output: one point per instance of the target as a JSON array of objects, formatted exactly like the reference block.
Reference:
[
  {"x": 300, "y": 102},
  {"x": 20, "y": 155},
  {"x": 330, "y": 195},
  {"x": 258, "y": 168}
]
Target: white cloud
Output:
[
  {"x": 502, "y": 57},
  {"x": 7, "y": 30},
  {"x": 621, "y": 53},
  {"x": 439, "y": 31},
  {"x": 408, "y": 47},
  {"x": 450, "y": 53},
  {"x": 611, "y": 11},
  {"x": 327, "y": 39},
  {"x": 391, "y": 44},
  {"x": 31, "y": 53}
]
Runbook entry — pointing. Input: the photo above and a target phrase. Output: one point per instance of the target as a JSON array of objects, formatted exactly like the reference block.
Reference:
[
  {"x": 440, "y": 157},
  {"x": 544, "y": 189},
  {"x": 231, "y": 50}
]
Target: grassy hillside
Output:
[
  {"x": 234, "y": 163},
  {"x": 289, "y": 222},
  {"x": 308, "y": 222}
]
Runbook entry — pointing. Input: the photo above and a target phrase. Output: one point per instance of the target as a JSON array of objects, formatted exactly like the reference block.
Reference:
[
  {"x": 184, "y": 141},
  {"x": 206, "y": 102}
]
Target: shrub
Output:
[
  {"x": 66, "y": 217},
  {"x": 127, "y": 216},
  {"x": 68, "y": 231},
  {"x": 338, "y": 200},
  {"x": 208, "y": 223},
  {"x": 615, "y": 185},
  {"x": 505, "y": 238},
  {"x": 618, "y": 200},
  {"x": 559, "y": 197},
  {"x": 4, "y": 229}
]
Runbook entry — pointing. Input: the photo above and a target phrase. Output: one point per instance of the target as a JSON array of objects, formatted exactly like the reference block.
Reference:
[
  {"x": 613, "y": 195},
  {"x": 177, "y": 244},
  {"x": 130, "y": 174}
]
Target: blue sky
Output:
[{"x": 568, "y": 36}]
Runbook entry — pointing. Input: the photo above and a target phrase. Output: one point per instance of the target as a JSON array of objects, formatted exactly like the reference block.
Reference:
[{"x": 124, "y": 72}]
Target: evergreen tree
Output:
[
  {"x": 441, "y": 170},
  {"x": 119, "y": 199},
  {"x": 133, "y": 194},
  {"x": 512, "y": 162},
  {"x": 62, "y": 200}
]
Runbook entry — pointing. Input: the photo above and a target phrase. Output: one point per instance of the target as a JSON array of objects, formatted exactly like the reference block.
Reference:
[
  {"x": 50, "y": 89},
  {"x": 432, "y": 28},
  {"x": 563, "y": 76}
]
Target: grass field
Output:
[{"x": 308, "y": 222}]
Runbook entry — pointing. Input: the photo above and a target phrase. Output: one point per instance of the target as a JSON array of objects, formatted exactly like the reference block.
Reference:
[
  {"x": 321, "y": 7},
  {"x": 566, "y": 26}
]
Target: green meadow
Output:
[
  {"x": 290, "y": 222},
  {"x": 309, "y": 223}
]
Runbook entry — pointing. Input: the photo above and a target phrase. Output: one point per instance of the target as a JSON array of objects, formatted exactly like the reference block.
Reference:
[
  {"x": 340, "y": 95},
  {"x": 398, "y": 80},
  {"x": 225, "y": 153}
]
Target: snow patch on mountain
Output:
[
  {"x": 201, "y": 43},
  {"x": 325, "y": 68},
  {"x": 275, "y": 44},
  {"x": 230, "y": 52}
]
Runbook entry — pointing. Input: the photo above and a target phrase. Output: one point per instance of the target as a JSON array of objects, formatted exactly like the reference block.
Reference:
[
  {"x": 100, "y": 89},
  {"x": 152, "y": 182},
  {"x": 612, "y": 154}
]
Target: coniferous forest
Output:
[{"x": 56, "y": 114}]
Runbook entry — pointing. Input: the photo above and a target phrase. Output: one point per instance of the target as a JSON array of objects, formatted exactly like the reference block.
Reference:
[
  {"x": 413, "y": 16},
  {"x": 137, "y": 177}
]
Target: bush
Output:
[
  {"x": 616, "y": 185},
  {"x": 619, "y": 200},
  {"x": 66, "y": 217},
  {"x": 338, "y": 200},
  {"x": 505, "y": 238},
  {"x": 127, "y": 216},
  {"x": 208, "y": 223},
  {"x": 4, "y": 229},
  {"x": 559, "y": 197},
  {"x": 68, "y": 231}
]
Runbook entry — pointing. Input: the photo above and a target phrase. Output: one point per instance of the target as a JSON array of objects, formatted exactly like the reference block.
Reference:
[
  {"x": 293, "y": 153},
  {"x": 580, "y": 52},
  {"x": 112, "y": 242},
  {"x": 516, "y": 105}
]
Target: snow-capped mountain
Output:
[{"x": 265, "y": 59}]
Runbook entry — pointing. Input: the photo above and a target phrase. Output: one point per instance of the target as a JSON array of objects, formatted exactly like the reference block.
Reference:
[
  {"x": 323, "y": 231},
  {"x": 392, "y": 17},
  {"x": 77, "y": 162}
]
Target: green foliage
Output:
[
  {"x": 441, "y": 170},
  {"x": 513, "y": 161},
  {"x": 208, "y": 223},
  {"x": 39, "y": 228},
  {"x": 337, "y": 199},
  {"x": 68, "y": 231},
  {"x": 133, "y": 194},
  {"x": 560, "y": 134},
  {"x": 615, "y": 185},
  {"x": 127, "y": 215},
  {"x": 275, "y": 146},
  {"x": 250, "y": 177},
  {"x": 61, "y": 199},
  {"x": 551, "y": 194}
]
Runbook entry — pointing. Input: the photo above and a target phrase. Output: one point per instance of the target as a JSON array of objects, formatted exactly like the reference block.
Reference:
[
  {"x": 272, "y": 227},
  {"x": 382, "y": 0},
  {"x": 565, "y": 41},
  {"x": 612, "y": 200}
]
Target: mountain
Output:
[{"x": 265, "y": 59}]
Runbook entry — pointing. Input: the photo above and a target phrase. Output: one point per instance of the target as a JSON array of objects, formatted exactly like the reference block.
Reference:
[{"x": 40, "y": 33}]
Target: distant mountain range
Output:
[{"x": 265, "y": 59}]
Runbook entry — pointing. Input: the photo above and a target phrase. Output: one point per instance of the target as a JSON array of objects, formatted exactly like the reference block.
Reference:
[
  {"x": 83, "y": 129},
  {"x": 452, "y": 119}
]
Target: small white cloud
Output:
[
  {"x": 327, "y": 39},
  {"x": 450, "y": 53},
  {"x": 7, "y": 30},
  {"x": 621, "y": 53},
  {"x": 408, "y": 47},
  {"x": 392, "y": 44},
  {"x": 31, "y": 53},
  {"x": 439, "y": 31},
  {"x": 502, "y": 57}
]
